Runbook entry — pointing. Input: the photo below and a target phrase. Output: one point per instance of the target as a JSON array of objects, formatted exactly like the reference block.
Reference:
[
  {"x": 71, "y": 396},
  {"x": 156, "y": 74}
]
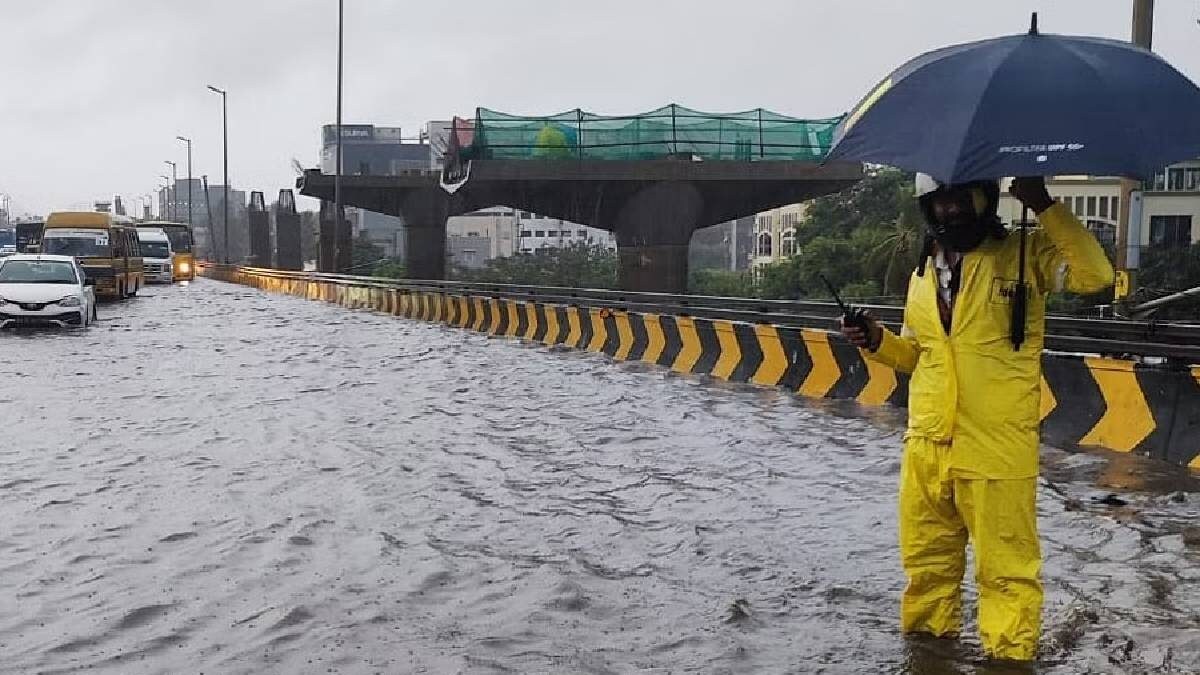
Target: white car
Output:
[{"x": 40, "y": 290}]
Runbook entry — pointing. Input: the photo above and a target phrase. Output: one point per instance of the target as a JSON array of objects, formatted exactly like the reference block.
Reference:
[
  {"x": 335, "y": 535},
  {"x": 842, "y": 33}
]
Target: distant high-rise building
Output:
[{"x": 368, "y": 150}]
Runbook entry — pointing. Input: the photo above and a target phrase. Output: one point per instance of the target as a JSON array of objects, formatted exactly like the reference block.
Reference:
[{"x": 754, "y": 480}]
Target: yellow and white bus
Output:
[{"x": 106, "y": 246}]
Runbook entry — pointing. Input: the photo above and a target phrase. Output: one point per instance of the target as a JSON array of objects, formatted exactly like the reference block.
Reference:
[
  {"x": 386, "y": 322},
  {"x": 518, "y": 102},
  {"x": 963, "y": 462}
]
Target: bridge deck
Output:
[{"x": 228, "y": 480}]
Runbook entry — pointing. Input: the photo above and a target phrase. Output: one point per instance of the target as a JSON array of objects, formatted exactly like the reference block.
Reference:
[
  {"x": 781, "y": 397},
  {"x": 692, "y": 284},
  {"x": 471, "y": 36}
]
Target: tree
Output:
[
  {"x": 364, "y": 255},
  {"x": 1170, "y": 270},
  {"x": 876, "y": 201},
  {"x": 780, "y": 281},
  {"x": 864, "y": 239},
  {"x": 391, "y": 268},
  {"x": 578, "y": 265},
  {"x": 721, "y": 283},
  {"x": 369, "y": 260},
  {"x": 901, "y": 244}
]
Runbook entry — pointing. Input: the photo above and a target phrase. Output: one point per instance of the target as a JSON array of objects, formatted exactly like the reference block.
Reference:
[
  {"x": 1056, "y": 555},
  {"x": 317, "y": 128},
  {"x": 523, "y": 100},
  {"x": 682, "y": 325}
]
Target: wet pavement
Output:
[{"x": 218, "y": 480}]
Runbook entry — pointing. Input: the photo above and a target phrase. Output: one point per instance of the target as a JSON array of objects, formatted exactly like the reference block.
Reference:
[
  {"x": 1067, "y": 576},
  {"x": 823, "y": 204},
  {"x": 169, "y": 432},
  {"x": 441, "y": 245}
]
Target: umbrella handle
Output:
[{"x": 1020, "y": 302}]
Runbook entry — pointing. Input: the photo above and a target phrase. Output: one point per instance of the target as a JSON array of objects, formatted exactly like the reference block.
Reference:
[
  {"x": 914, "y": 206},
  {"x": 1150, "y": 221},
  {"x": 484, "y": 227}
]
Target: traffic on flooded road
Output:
[{"x": 221, "y": 480}]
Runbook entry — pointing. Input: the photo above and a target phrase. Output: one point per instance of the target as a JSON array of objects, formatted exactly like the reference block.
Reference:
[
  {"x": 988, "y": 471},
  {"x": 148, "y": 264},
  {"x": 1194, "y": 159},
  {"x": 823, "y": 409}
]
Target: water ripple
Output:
[{"x": 250, "y": 483}]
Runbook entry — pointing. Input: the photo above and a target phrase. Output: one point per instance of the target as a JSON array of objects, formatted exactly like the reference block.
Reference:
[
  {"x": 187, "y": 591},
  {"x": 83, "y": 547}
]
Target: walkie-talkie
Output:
[{"x": 851, "y": 315}]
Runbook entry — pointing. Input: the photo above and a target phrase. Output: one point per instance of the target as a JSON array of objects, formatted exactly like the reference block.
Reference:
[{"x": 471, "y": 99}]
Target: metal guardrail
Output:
[{"x": 1112, "y": 337}]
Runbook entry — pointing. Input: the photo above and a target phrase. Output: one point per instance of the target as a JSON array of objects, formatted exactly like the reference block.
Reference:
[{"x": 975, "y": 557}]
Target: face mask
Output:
[
  {"x": 961, "y": 238},
  {"x": 958, "y": 218}
]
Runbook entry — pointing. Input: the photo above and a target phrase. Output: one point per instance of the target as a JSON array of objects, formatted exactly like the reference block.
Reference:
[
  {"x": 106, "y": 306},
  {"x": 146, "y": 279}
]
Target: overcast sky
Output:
[{"x": 94, "y": 93}]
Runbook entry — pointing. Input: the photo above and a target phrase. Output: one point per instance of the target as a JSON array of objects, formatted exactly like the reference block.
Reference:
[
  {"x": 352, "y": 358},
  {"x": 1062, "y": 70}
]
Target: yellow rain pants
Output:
[{"x": 938, "y": 512}]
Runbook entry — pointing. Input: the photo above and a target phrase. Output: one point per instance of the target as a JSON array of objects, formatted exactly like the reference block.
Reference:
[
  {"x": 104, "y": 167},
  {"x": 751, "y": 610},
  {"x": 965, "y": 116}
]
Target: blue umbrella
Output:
[{"x": 1027, "y": 105}]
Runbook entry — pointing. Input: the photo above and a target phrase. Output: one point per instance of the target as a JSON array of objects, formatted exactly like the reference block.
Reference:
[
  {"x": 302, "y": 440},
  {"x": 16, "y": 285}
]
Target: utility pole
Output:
[
  {"x": 208, "y": 209},
  {"x": 1129, "y": 225},
  {"x": 225, "y": 155},
  {"x": 338, "y": 215},
  {"x": 189, "y": 178},
  {"x": 174, "y": 188}
]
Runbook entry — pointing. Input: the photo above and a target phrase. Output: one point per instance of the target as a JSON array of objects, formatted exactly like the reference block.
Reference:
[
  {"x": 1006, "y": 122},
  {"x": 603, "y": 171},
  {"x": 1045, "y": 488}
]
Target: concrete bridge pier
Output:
[
  {"x": 653, "y": 229},
  {"x": 289, "y": 253},
  {"x": 424, "y": 212},
  {"x": 329, "y": 258},
  {"x": 417, "y": 199},
  {"x": 260, "y": 230},
  {"x": 425, "y": 251}
]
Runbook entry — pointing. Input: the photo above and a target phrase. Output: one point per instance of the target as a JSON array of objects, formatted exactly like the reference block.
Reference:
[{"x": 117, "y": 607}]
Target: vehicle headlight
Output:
[
  {"x": 184, "y": 267},
  {"x": 69, "y": 301}
]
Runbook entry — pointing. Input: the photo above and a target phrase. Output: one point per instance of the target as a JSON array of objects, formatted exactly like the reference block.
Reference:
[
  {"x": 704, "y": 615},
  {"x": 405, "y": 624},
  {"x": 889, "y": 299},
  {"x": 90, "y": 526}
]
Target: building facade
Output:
[
  {"x": 775, "y": 234},
  {"x": 368, "y": 150},
  {"x": 473, "y": 239},
  {"x": 536, "y": 232},
  {"x": 1170, "y": 205}
]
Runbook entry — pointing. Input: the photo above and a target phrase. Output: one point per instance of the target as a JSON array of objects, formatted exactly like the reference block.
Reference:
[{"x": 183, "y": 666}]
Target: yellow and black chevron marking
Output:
[
  {"x": 1123, "y": 406},
  {"x": 1107, "y": 403}
]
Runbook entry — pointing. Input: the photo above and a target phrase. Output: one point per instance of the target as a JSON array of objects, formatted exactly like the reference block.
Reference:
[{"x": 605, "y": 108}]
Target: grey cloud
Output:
[{"x": 95, "y": 92}]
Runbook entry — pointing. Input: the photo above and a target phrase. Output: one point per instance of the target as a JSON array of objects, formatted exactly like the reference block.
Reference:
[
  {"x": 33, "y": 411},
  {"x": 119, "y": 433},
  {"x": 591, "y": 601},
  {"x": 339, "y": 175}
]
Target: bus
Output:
[
  {"x": 184, "y": 259},
  {"x": 29, "y": 236},
  {"x": 106, "y": 245}
]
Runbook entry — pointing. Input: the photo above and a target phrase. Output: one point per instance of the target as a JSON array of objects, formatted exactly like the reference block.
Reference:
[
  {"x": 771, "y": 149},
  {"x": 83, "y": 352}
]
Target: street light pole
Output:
[
  {"x": 189, "y": 178},
  {"x": 337, "y": 174},
  {"x": 174, "y": 189},
  {"x": 171, "y": 197},
  {"x": 225, "y": 155}
]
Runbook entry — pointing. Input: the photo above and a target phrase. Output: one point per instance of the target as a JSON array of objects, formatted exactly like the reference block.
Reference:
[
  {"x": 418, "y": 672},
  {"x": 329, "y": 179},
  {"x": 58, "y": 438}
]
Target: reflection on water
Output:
[{"x": 215, "y": 479}]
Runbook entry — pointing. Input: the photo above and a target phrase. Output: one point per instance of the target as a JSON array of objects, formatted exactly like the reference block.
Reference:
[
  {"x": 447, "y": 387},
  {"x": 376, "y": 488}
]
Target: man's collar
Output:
[{"x": 940, "y": 259}]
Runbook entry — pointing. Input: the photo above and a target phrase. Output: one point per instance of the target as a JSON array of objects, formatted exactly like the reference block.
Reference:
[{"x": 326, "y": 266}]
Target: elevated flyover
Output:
[{"x": 651, "y": 179}]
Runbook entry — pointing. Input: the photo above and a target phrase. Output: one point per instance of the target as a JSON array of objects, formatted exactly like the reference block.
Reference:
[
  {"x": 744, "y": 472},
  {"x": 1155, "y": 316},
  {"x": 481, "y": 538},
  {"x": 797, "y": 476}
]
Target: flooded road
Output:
[{"x": 217, "y": 480}]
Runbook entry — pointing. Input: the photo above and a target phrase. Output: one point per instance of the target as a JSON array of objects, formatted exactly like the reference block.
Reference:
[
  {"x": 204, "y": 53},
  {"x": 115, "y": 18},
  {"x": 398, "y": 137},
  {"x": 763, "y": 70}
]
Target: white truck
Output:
[{"x": 156, "y": 255}]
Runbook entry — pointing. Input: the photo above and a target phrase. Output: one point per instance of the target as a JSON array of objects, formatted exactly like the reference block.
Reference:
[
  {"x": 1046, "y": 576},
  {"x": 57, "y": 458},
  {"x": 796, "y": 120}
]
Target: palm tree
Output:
[{"x": 903, "y": 240}]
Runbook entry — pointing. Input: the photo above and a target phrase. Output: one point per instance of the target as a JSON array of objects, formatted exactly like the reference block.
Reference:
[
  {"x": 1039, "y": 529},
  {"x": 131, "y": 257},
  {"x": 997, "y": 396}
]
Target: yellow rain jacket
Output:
[
  {"x": 970, "y": 388},
  {"x": 971, "y": 451}
]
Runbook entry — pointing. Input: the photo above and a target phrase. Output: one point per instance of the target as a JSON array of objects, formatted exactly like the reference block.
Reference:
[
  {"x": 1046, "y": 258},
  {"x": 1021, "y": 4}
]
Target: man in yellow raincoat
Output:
[{"x": 970, "y": 464}]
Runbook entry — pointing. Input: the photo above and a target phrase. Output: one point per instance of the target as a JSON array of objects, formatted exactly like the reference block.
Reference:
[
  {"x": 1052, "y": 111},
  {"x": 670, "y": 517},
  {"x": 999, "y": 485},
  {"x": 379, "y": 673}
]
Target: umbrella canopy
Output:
[{"x": 1027, "y": 105}]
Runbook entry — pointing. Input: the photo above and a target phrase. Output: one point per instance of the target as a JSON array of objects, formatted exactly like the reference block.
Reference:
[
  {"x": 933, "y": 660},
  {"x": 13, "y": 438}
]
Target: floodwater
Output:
[{"x": 218, "y": 480}]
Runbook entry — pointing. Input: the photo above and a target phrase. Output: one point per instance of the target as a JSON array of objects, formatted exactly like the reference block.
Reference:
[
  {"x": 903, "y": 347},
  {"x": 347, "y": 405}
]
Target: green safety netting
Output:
[{"x": 670, "y": 131}]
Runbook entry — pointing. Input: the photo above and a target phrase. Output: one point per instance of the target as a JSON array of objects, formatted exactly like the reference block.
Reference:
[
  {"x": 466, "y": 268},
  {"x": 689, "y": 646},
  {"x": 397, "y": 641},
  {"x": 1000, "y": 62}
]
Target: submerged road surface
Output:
[{"x": 218, "y": 480}]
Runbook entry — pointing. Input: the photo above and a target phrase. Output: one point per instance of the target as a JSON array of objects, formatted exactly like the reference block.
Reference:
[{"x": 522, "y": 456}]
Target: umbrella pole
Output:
[{"x": 1021, "y": 294}]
